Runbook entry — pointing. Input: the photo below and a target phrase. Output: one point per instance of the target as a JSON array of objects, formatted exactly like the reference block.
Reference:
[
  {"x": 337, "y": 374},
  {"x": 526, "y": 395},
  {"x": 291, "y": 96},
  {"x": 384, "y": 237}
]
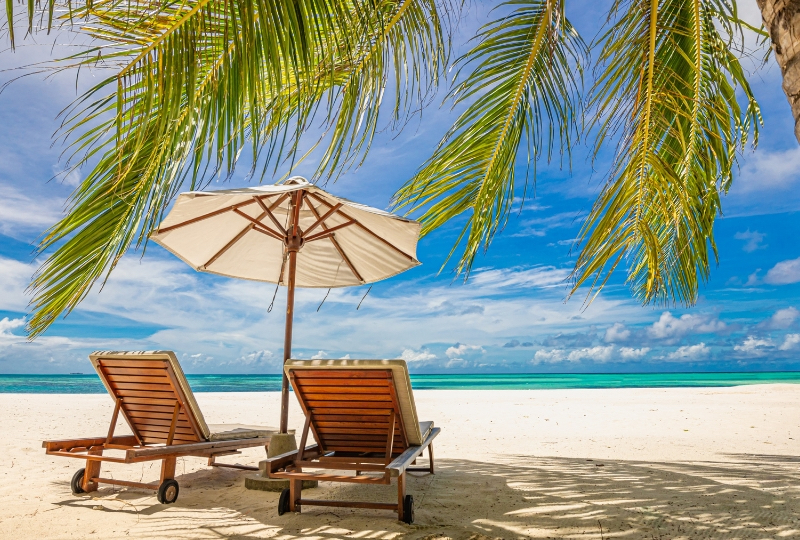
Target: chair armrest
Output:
[{"x": 404, "y": 460}]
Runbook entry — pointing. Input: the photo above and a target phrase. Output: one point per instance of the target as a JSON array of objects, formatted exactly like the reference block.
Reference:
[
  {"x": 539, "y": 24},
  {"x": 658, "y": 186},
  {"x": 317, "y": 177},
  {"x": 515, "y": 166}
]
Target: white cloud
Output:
[
  {"x": 629, "y": 353},
  {"x": 410, "y": 355},
  {"x": 690, "y": 352},
  {"x": 598, "y": 354},
  {"x": 752, "y": 240},
  {"x": 540, "y": 276},
  {"x": 20, "y": 214},
  {"x": 790, "y": 342},
  {"x": 782, "y": 319},
  {"x": 460, "y": 349},
  {"x": 753, "y": 279},
  {"x": 6, "y": 336},
  {"x": 320, "y": 355},
  {"x": 753, "y": 346},
  {"x": 549, "y": 357},
  {"x": 255, "y": 358},
  {"x": 617, "y": 332},
  {"x": 14, "y": 277},
  {"x": 670, "y": 327},
  {"x": 766, "y": 171},
  {"x": 784, "y": 273}
]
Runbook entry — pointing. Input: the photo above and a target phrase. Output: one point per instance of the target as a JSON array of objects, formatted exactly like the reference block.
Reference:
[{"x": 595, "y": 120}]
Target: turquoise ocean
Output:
[{"x": 90, "y": 384}]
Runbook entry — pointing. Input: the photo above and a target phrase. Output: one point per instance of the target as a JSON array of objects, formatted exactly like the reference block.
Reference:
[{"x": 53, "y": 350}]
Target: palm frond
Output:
[
  {"x": 667, "y": 92},
  {"x": 196, "y": 85},
  {"x": 523, "y": 91},
  {"x": 409, "y": 50}
]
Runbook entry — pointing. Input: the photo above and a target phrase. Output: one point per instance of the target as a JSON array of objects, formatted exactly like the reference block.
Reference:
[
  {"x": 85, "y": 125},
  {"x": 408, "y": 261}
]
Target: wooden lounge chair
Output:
[
  {"x": 362, "y": 415},
  {"x": 151, "y": 393}
]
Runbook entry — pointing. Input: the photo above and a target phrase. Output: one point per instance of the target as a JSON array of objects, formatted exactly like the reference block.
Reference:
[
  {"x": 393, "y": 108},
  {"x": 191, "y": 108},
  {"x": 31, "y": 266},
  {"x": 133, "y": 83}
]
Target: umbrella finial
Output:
[{"x": 293, "y": 181}]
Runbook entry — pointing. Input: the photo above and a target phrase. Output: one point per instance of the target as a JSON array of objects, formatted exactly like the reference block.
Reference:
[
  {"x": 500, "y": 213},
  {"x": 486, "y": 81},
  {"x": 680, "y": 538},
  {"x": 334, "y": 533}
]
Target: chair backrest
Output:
[
  {"x": 350, "y": 403},
  {"x": 152, "y": 388}
]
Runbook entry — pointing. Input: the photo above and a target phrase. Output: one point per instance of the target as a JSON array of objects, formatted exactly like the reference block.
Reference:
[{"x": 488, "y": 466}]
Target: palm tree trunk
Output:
[{"x": 782, "y": 21}]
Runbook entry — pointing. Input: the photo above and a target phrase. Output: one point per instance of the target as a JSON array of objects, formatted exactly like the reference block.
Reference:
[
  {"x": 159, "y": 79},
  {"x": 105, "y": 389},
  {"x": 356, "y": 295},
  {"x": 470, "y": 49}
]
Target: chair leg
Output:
[
  {"x": 168, "y": 468},
  {"x": 92, "y": 470},
  {"x": 401, "y": 495},
  {"x": 295, "y": 491},
  {"x": 430, "y": 456}
]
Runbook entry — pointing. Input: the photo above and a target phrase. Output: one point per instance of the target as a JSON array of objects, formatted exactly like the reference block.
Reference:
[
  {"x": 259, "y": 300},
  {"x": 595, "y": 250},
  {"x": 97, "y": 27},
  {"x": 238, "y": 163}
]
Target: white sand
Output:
[{"x": 654, "y": 464}]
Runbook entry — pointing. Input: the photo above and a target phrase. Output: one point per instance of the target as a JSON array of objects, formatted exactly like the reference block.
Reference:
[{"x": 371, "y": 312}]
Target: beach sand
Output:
[{"x": 633, "y": 463}]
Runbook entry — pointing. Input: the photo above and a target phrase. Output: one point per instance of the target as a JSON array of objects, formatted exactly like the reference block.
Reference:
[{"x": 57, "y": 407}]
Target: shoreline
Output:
[{"x": 90, "y": 383}]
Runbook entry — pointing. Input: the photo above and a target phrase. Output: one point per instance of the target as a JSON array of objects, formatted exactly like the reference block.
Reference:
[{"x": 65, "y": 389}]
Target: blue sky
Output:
[{"x": 512, "y": 315}]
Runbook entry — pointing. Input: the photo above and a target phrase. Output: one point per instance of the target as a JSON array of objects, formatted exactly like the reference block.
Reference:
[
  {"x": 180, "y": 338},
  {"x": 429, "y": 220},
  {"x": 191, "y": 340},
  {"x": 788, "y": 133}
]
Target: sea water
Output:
[{"x": 90, "y": 383}]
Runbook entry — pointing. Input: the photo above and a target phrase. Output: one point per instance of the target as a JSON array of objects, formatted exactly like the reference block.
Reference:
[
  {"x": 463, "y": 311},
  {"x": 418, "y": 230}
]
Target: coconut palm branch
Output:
[
  {"x": 522, "y": 92},
  {"x": 195, "y": 85},
  {"x": 667, "y": 91}
]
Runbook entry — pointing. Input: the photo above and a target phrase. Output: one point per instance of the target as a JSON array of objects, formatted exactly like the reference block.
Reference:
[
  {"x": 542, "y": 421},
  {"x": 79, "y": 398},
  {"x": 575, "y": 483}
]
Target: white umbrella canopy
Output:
[
  {"x": 294, "y": 234},
  {"x": 242, "y": 233}
]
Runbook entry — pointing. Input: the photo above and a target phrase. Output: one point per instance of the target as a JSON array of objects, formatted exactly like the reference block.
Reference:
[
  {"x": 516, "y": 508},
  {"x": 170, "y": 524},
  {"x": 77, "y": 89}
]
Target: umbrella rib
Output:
[
  {"x": 271, "y": 215},
  {"x": 234, "y": 207},
  {"x": 320, "y": 220},
  {"x": 338, "y": 247},
  {"x": 328, "y": 232},
  {"x": 230, "y": 244},
  {"x": 368, "y": 230},
  {"x": 258, "y": 225}
]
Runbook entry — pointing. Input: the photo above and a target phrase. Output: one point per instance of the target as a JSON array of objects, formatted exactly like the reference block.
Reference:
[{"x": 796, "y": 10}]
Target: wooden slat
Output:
[
  {"x": 150, "y": 401},
  {"x": 368, "y": 390},
  {"x": 340, "y": 374},
  {"x": 358, "y": 436},
  {"x": 146, "y": 393},
  {"x": 358, "y": 448},
  {"x": 327, "y": 408},
  {"x": 165, "y": 429},
  {"x": 108, "y": 362},
  {"x": 383, "y": 398},
  {"x": 142, "y": 387},
  {"x": 137, "y": 379},
  {"x": 144, "y": 415},
  {"x": 163, "y": 422},
  {"x": 345, "y": 382},
  {"x": 149, "y": 408},
  {"x": 136, "y": 371},
  {"x": 352, "y": 425},
  {"x": 360, "y": 431},
  {"x": 352, "y": 418},
  {"x": 163, "y": 436}
]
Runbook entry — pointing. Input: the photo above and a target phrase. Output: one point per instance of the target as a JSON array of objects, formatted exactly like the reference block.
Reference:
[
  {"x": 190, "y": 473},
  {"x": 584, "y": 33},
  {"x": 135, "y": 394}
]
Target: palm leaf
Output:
[
  {"x": 667, "y": 91},
  {"x": 523, "y": 92},
  {"x": 197, "y": 83}
]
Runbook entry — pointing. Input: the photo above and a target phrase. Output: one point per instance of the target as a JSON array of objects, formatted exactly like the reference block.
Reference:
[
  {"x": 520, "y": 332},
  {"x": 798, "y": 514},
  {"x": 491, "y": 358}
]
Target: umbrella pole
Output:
[{"x": 287, "y": 341}]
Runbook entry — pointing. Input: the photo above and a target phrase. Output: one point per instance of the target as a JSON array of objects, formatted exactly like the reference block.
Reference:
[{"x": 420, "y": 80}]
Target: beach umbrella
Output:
[{"x": 293, "y": 234}]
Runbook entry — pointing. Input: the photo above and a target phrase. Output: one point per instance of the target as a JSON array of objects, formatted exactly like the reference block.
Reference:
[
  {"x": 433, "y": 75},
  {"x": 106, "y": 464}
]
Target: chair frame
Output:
[
  {"x": 141, "y": 447},
  {"x": 362, "y": 456}
]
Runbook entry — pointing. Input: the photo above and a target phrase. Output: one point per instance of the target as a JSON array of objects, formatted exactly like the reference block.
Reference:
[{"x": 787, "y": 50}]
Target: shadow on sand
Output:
[{"x": 746, "y": 496}]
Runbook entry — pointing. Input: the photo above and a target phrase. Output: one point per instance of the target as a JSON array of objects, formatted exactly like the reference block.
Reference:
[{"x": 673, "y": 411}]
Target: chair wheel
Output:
[
  {"x": 408, "y": 509},
  {"x": 283, "y": 502},
  {"x": 167, "y": 492},
  {"x": 77, "y": 482}
]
